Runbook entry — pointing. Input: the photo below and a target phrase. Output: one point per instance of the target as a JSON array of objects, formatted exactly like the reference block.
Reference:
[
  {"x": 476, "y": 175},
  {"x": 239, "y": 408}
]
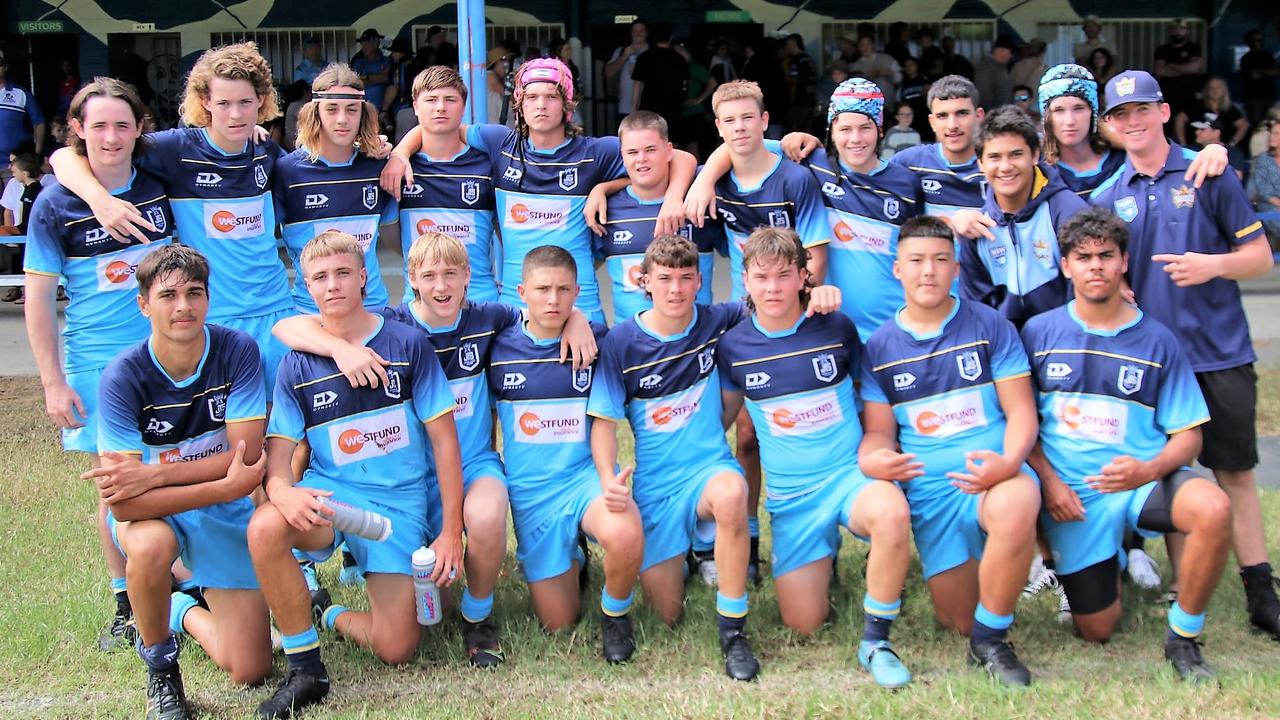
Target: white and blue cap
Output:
[
  {"x": 858, "y": 95},
  {"x": 1132, "y": 86},
  {"x": 1068, "y": 79}
]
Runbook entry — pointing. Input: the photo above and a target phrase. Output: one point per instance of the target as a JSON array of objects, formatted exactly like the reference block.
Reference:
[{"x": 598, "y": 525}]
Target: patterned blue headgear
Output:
[
  {"x": 1068, "y": 79},
  {"x": 857, "y": 95}
]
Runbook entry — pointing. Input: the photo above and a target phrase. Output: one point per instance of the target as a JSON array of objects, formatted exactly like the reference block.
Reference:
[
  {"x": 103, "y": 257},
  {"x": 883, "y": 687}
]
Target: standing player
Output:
[
  {"x": 173, "y": 409},
  {"x": 1120, "y": 412},
  {"x": 950, "y": 179},
  {"x": 947, "y": 381},
  {"x": 331, "y": 181},
  {"x": 1200, "y": 242},
  {"x": 102, "y": 318},
  {"x": 556, "y": 493},
  {"x": 218, "y": 179},
  {"x": 370, "y": 449},
  {"x": 797, "y": 375}
]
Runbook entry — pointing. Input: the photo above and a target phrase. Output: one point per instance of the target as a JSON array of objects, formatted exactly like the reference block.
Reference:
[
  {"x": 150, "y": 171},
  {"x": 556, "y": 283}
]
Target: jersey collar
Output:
[
  {"x": 376, "y": 329},
  {"x": 955, "y": 308},
  {"x": 669, "y": 338},
  {"x": 777, "y": 163},
  {"x": 780, "y": 333},
  {"x": 133, "y": 175},
  {"x": 1177, "y": 161},
  {"x": 1102, "y": 163},
  {"x": 548, "y": 151},
  {"x": 199, "y": 368},
  {"x": 320, "y": 159},
  {"x": 431, "y": 329},
  {"x": 524, "y": 328},
  {"x": 880, "y": 166},
  {"x": 1071, "y": 311},
  {"x": 428, "y": 158},
  {"x": 942, "y": 158},
  {"x": 629, "y": 191},
  {"x": 204, "y": 133}
]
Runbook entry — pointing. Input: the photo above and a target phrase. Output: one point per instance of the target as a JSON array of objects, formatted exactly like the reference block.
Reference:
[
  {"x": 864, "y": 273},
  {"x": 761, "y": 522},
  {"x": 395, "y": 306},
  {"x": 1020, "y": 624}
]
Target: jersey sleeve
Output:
[
  {"x": 608, "y": 397},
  {"x": 871, "y": 390},
  {"x": 280, "y": 190},
  {"x": 45, "y": 253},
  {"x": 431, "y": 395},
  {"x": 487, "y": 138},
  {"x": 286, "y": 413},
  {"x": 1008, "y": 358},
  {"x": 728, "y": 314},
  {"x": 773, "y": 146},
  {"x": 390, "y": 209},
  {"x": 119, "y": 408},
  {"x": 161, "y": 157},
  {"x": 811, "y": 216},
  {"x": 1232, "y": 211},
  {"x": 609, "y": 155},
  {"x": 1180, "y": 404},
  {"x": 975, "y": 279},
  {"x": 248, "y": 398}
]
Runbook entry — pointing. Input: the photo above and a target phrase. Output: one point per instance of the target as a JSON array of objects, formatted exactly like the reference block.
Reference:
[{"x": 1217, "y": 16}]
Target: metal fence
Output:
[
  {"x": 531, "y": 37},
  {"x": 283, "y": 47}
]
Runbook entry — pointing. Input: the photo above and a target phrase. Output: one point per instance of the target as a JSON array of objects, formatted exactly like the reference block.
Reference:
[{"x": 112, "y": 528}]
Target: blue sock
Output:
[
  {"x": 160, "y": 657},
  {"x": 118, "y": 585},
  {"x": 988, "y": 626},
  {"x": 330, "y": 617},
  {"x": 731, "y": 613},
  {"x": 303, "y": 652},
  {"x": 613, "y": 607},
  {"x": 879, "y": 618},
  {"x": 1183, "y": 624},
  {"x": 753, "y": 526},
  {"x": 179, "y": 604},
  {"x": 475, "y": 609}
]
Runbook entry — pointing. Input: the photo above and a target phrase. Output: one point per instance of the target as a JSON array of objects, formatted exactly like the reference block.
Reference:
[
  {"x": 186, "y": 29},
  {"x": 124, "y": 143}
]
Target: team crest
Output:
[
  {"x": 705, "y": 360},
  {"x": 1183, "y": 197},
  {"x": 1130, "y": 380},
  {"x": 1125, "y": 86},
  {"x": 1126, "y": 208},
  {"x": 470, "y": 192},
  {"x": 468, "y": 356},
  {"x": 970, "y": 365},
  {"x": 569, "y": 178},
  {"x": 369, "y": 197},
  {"x": 582, "y": 379},
  {"x": 779, "y": 218},
  {"x": 824, "y": 367},
  {"x": 1040, "y": 248},
  {"x": 685, "y": 231},
  {"x": 260, "y": 176},
  {"x": 392, "y": 388},
  {"x": 218, "y": 407},
  {"x": 999, "y": 254},
  {"x": 155, "y": 216},
  {"x": 892, "y": 208}
]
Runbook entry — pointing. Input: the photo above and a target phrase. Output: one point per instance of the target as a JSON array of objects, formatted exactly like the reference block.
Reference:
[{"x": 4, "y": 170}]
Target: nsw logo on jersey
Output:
[
  {"x": 205, "y": 446},
  {"x": 116, "y": 272},
  {"x": 457, "y": 223},
  {"x": 582, "y": 379},
  {"x": 235, "y": 220},
  {"x": 706, "y": 360},
  {"x": 1126, "y": 208},
  {"x": 260, "y": 176},
  {"x": 551, "y": 423},
  {"x": 779, "y": 218},
  {"x": 803, "y": 415},
  {"x": 392, "y": 387},
  {"x": 824, "y": 367},
  {"x": 155, "y": 215},
  {"x": 537, "y": 213},
  {"x": 998, "y": 252},
  {"x": 970, "y": 364},
  {"x": 569, "y": 178},
  {"x": 948, "y": 415},
  {"x": 462, "y": 395},
  {"x": 369, "y": 196},
  {"x": 470, "y": 191},
  {"x": 892, "y": 208},
  {"x": 369, "y": 436},
  {"x": 1130, "y": 379},
  {"x": 468, "y": 356},
  {"x": 217, "y": 404},
  {"x": 1102, "y": 421}
]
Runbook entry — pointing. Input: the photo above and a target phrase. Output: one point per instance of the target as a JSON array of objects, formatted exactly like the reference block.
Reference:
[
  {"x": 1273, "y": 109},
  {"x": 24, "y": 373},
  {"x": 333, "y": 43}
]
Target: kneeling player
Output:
[
  {"x": 1120, "y": 412},
  {"x": 173, "y": 408},
  {"x": 797, "y": 375},
  {"x": 948, "y": 381},
  {"x": 369, "y": 448},
  {"x": 555, "y": 491}
]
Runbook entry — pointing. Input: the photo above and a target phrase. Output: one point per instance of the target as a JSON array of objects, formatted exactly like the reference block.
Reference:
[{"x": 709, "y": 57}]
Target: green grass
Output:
[{"x": 53, "y": 600}]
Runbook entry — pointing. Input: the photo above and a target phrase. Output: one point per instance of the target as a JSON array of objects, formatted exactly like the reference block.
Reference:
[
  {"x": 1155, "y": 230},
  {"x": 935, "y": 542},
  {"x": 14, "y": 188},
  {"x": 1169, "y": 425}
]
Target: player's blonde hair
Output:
[
  {"x": 309, "y": 127},
  {"x": 433, "y": 247},
  {"x": 736, "y": 90},
  {"x": 231, "y": 62},
  {"x": 329, "y": 243}
]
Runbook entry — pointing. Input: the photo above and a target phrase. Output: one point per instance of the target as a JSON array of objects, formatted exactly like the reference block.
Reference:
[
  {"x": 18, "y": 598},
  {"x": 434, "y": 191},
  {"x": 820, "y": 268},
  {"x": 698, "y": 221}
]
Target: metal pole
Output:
[{"x": 471, "y": 60}]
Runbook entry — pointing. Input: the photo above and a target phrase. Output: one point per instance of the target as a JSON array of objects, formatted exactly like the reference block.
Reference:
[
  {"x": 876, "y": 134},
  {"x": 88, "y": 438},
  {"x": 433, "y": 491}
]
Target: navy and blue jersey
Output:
[
  {"x": 224, "y": 208},
  {"x": 1107, "y": 393},
  {"x": 373, "y": 439},
  {"x": 1167, "y": 214},
  {"x": 540, "y": 196},
  {"x": 453, "y": 196},
  {"x": 798, "y": 385},
  {"x": 463, "y": 350},
  {"x": 64, "y": 239},
  {"x": 947, "y": 188},
  {"x": 942, "y": 388},
  {"x": 146, "y": 412},
  {"x": 1019, "y": 272},
  {"x": 1084, "y": 182},
  {"x": 542, "y": 409},
  {"x": 19, "y": 115},
  {"x": 314, "y": 196},
  {"x": 787, "y": 197},
  {"x": 668, "y": 388},
  {"x": 629, "y": 232}
]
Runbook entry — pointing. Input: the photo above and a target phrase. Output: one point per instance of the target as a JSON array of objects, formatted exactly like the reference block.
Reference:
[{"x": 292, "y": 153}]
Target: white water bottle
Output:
[
  {"x": 357, "y": 521},
  {"x": 425, "y": 592}
]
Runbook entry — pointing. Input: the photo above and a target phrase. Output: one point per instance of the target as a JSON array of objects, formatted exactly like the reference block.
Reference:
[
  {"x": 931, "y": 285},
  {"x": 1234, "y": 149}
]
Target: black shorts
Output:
[{"x": 1230, "y": 436}]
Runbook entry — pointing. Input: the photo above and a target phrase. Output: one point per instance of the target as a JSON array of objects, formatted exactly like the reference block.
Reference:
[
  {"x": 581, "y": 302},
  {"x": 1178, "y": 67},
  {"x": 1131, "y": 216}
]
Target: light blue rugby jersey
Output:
[
  {"x": 942, "y": 388},
  {"x": 1107, "y": 393},
  {"x": 946, "y": 188},
  {"x": 798, "y": 385}
]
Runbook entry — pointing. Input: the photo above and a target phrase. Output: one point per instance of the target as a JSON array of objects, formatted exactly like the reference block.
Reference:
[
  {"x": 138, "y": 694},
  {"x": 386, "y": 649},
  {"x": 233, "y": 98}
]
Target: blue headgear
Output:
[
  {"x": 1068, "y": 79},
  {"x": 857, "y": 95}
]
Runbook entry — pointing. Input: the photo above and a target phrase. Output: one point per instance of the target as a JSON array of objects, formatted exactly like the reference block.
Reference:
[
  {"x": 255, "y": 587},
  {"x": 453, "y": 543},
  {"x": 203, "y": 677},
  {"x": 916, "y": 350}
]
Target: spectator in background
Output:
[
  {"x": 660, "y": 79},
  {"x": 26, "y": 173},
  {"x": 68, "y": 86},
  {"x": 1103, "y": 66},
  {"x": 623, "y": 62},
  {"x": 899, "y": 45},
  {"x": 441, "y": 50},
  {"x": 1026, "y": 101},
  {"x": 313, "y": 61},
  {"x": 1028, "y": 70},
  {"x": 995, "y": 86},
  {"x": 1093, "y": 40},
  {"x": 295, "y": 96},
  {"x": 1214, "y": 98},
  {"x": 802, "y": 81},
  {"x": 837, "y": 72},
  {"x": 954, "y": 63},
  {"x": 1257, "y": 77},
  {"x": 879, "y": 68},
  {"x": 931, "y": 56},
  {"x": 1179, "y": 66},
  {"x": 913, "y": 91},
  {"x": 764, "y": 68},
  {"x": 20, "y": 117},
  {"x": 495, "y": 78},
  {"x": 58, "y": 131},
  {"x": 848, "y": 49},
  {"x": 1264, "y": 183},
  {"x": 903, "y": 134},
  {"x": 1209, "y": 129},
  {"x": 562, "y": 50},
  {"x": 400, "y": 94},
  {"x": 722, "y": 67},
  {"x": 694, "y": 116},
  {"x": 374, "y": 68}
]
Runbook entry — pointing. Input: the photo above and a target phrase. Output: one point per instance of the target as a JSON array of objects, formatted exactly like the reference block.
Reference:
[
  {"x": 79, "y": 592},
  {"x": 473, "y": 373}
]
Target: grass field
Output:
[{"x": 53, "y": 599}]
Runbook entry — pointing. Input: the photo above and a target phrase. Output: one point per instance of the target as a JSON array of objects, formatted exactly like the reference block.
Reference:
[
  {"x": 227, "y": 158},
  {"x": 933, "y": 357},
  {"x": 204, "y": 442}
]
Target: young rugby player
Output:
[
  {"x": 797, "y": 375},
  {"x": 950, "y": 179},
  {"x": 1120, "y": 412},
  {"x": 947, "y": 382}
]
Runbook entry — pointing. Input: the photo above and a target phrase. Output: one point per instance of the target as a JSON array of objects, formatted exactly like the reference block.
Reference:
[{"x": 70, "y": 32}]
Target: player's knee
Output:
[
  {"x": 1212, "y": 511},
  {"x": 623, "y": 539},
  {"x": 485, "y": 520},
  {"x": 398, "y": 651},
  {"x": 149, "y": 544},
  {"x": 249, "y": 671},
  {"x": 806, "y": 621},
  {"x": 558, "y": 619},
  {"x": 267, "y": 528},
  {"x": 729, "y": 502},
  {"x": 956, "y": 622},
  {"x": 892, "y": 520},
  {"x": 1013, "y": 510},
  {"x": 1095, "y": 632}
]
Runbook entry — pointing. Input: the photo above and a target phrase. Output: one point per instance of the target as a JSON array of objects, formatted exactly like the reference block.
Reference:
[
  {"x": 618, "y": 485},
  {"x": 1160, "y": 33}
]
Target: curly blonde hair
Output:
[
  {"x": 231, "y": 62},
  {"x": 309, "y": 128}
]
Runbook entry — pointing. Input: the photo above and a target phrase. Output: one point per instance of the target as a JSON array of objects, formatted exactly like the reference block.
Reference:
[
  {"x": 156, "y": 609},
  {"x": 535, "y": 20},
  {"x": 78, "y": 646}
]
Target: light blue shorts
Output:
[
  {"x": 409, "y": 530},
  {"x": 1100, "y": 536},
  {"x": 670, "y": 522},
  {"x": 272, "y": 350},
  {"x": 213, "y": 544},
  {"x": 806, "y": 528},
  {"x": 547, "y": 533},
  {"x": 485, "y": 467},
  {"x": 488, "y": 466},
  {"x": 84, "y": 439}
]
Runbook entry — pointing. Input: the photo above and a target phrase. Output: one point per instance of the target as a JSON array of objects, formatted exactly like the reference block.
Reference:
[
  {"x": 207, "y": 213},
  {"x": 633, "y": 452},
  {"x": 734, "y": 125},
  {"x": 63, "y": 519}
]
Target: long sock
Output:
[
  {"x": 988, "y": 626},
  {"x": 475, "y": 609},
  {"x": 879, "y": 618},
  {"x": 119, "y": 589},
  {"x": 731, "y": 613},
  {"x": 179, "y": 604},
  {"x": 303, "y": 652},
  {"x": 1184, "y": 624},
  {"x": 162, "y": 656},
  {"x": 330, "y": 617},
  {"x": 614, "y": 607}
]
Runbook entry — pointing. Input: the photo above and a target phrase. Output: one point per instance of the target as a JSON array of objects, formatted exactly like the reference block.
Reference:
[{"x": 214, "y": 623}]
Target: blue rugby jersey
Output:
[
  {"x": 942, "y": 388},
  {"x": 1167, "y": 214},
  {"x": 540, "y": 195},
  {"x": 373, "y": 439},
  {"x": 314, "y": 196},
  {"x": 787, "y": 197},
  {"x": 798, "y": 385},
  {"x": 224, "y": 208},
  {"x": 146, "y": 412},
  {"x": 453, "y": 196},
  {"x": 629, "y": 232},
  {"x": 463, "y": 351},
  {"x": 1018, "y": 272},
  {"x": 946, "y": 188},
  {"x": 1104, "y": 393},
  {"x": 668, "y": 389},
  {"x": 64, "y": 239},
  {"x": 542, "y": 409},
  {"x": 1084, "y": 182}
]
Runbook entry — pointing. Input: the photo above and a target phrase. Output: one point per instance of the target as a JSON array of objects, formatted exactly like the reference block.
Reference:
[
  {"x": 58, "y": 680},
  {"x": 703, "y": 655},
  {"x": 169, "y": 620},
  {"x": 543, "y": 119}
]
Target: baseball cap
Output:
[
  {"x": 1132, "y": 86},
  {"x": 370, "y": 34},
  {"x": 402, "y": 45},
  {"x": 1208, "y": 120}
]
